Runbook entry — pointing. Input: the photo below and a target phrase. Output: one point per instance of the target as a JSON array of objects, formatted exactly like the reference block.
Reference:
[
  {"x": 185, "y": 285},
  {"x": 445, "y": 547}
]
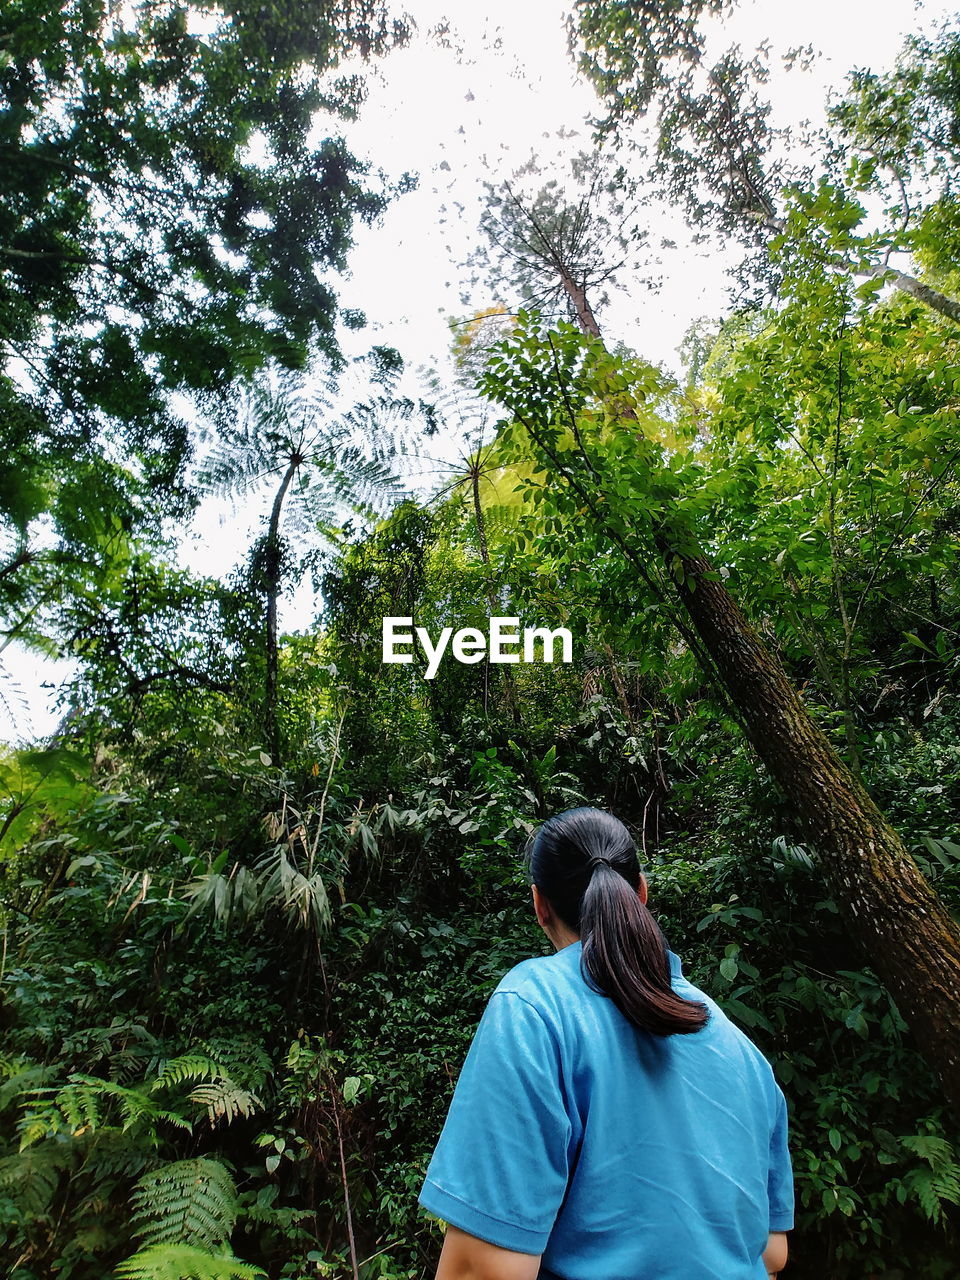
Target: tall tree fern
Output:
[{"x": 323, "y": 462}]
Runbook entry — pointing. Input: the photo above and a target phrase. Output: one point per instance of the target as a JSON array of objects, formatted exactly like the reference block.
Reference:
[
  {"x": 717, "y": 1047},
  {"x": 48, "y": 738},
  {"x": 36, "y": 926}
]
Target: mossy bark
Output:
[{"x": 892, "y": 912}]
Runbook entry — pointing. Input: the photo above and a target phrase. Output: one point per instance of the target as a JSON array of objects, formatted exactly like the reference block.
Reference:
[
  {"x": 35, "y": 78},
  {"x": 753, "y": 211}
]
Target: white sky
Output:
[{"x": 457, "y": 116}]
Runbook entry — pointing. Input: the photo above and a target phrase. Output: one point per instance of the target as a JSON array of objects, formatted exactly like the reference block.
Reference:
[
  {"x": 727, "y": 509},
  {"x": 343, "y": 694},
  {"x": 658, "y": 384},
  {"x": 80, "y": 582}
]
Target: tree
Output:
[
  {"x": 156, "y": 626},
  {"x": 556, "y": 251},
  {"x": 581, "y": 408},
  {"x": 717, "y": 154},
  {"x": 323, "y": 464},
  {"x": 167, "y": 222}
]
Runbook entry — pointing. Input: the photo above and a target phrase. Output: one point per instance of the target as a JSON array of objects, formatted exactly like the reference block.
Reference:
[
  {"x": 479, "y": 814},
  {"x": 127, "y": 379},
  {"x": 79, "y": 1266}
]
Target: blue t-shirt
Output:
[{"x": 614, "y": 1153}]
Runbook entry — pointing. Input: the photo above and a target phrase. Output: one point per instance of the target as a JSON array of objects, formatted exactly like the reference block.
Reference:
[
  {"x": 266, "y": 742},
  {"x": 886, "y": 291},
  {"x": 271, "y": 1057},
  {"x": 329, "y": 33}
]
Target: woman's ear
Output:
[
  {"x": 542, "y": 907},
  {"x": 642, "y": 888}
]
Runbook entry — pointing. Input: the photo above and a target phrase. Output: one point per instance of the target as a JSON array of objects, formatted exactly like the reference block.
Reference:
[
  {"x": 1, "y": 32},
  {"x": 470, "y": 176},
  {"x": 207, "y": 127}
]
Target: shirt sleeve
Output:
[
  {"x": 780, "y": 1176},
  {"x": 499, "y": 1171}
]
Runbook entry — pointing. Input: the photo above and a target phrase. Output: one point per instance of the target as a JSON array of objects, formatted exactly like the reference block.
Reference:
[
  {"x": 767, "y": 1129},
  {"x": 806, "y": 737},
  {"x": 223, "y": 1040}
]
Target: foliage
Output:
[
  {"x": 235, "y": 994},
  {"x": 323, "y": 464},
  {"x": 190, "y": 1202},
  {"x": 545, "y": 241},
  {"x": 721, "y": 159},
  {"x": 166, "y": 219},
  {"x": 183, "y": 1262}
]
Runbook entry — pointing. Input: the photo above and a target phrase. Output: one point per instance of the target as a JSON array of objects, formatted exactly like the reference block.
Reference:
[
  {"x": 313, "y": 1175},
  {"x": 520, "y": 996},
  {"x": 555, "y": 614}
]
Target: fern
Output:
[
  {"x": 87, "y": 1104},
  {"x": 32, "y": 1178},
  {"x": 134, "y": 1104},
  {"x": 112, "y": 1155},
  {"x": 940, "y": 1181},
  {"x": 187, "y": 1202},
  {"x": 81, "y": 1106},
  {"x": 222, "y": 1097},
  {"x": 243, "y": 1060},
  {"x": 189, "y": 1066},
  {"x": 20, "y": 1077},
  {"x": 183, "y": 1262},
  {"x": 224, "y": 1100}
]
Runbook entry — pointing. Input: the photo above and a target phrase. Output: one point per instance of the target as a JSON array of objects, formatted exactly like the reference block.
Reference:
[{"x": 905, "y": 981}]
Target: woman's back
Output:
[
  {"x": 616, "y": 1153},
  {"x": 609, "y": 1123}
]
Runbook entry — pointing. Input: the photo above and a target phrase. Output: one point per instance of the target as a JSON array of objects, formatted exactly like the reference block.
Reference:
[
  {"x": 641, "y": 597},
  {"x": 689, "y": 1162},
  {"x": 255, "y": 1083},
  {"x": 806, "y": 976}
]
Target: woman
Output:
[{"x": 609, "y": 1122}]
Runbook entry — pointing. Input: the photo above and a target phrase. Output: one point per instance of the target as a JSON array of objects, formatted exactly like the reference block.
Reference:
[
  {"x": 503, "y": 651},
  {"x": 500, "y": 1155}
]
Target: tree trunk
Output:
[
  {"x": 932, "y": 298},
  {"x": 889, "y": 908},
  {"x": 891, "y": 911},
  {"x": 509, "y": 688},
  {"x": 942, "y": 303},
  {"x": 578, "y": 296},
  {"x": 272, "y": 574}
]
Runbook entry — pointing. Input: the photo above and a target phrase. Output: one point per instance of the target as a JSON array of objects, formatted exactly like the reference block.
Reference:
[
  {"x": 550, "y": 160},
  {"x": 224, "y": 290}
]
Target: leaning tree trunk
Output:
[
  {"x": 942, "y": 303},
  {"x": 898, "y": 920},
  {"x": 902, "y": 926}
]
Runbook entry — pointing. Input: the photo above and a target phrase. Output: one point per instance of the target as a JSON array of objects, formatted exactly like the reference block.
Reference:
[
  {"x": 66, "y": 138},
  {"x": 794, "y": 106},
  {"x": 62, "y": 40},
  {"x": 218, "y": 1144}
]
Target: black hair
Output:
[{"x": 584, "y": 861}]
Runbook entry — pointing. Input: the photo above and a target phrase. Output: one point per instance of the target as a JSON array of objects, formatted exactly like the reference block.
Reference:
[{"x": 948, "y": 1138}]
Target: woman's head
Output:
[
  {"x": 584, "y": 862},
  {"x": 562, "y": 853}
]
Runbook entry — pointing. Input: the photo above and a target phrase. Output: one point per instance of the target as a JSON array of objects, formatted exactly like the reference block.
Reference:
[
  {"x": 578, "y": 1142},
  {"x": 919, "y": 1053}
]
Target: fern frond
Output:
[
  {"x": 76, "y": 1109},
  {"x": 111, "y": 1155},
  {"x": 188, "y": 1201},
  {"x": 32, "y": 1177},
  {"x": 41, "y": 1118},
  {"x": 243, "y": 1059},
  {"x": 224, "y": 1100},
  {"x": 79, "y": 1103},
  {"x": 189, "y": 1066},
  {"x": 182, "y": 1262},
  {"x": 134, "y": 1103},
  {"x": 938, "y": 1152},
  {"x": 937, "y": 1184},
  {"x": 20, "y": 1078}
]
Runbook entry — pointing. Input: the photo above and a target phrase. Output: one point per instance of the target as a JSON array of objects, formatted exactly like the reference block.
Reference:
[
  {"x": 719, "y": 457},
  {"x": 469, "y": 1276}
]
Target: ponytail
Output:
[
  {"x": 585, "y": 862},
  {"x": 625, "y": 957}
]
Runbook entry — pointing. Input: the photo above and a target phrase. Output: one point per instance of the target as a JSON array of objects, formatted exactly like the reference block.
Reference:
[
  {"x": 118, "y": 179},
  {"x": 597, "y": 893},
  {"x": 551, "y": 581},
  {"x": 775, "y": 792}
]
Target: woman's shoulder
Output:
[
  {"x": 543, "y": 980},
  {"x": 726, "y": 1037}
]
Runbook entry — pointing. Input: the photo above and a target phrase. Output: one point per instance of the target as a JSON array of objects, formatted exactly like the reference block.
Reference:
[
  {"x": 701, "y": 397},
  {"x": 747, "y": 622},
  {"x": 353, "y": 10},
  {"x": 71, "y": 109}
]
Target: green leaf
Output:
[
  {"x": 351, "y": 1087},
  {"x": 920, "y": 644}
]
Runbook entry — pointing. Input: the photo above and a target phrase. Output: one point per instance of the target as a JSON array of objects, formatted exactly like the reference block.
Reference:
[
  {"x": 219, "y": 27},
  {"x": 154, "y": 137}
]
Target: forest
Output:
[{"x": 258, "y": 885}]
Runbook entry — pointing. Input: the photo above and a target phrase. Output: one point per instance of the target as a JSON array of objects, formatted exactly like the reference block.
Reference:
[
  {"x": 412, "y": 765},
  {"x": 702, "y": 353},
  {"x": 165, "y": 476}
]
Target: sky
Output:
[{"x": 472, "y": 108}]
